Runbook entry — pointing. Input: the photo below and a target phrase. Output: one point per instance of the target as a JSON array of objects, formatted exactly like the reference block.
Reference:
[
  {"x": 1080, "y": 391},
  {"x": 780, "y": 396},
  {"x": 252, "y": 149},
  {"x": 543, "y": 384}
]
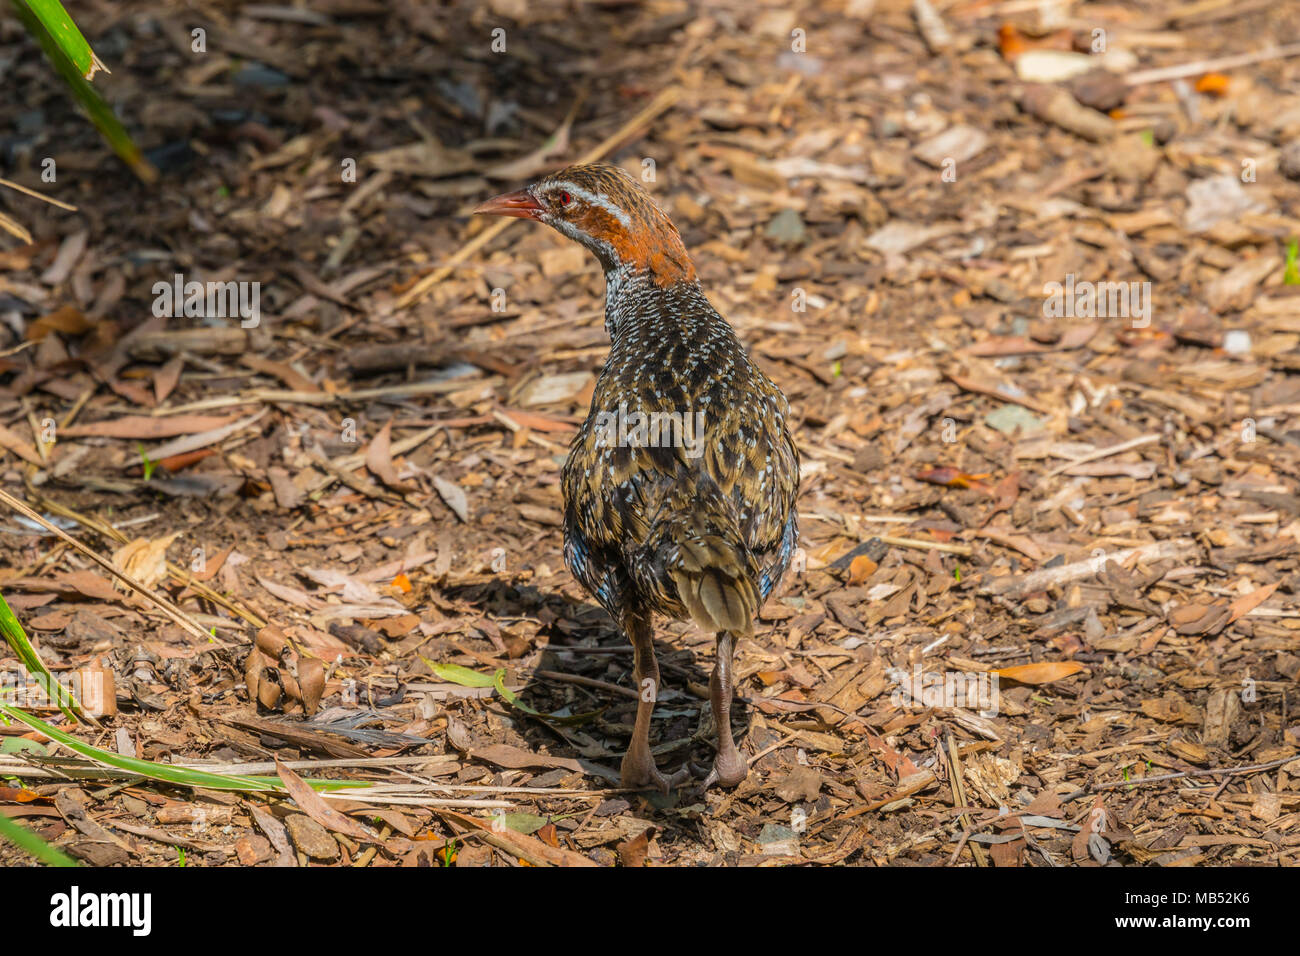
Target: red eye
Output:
[{"x": 565, "y": 199}]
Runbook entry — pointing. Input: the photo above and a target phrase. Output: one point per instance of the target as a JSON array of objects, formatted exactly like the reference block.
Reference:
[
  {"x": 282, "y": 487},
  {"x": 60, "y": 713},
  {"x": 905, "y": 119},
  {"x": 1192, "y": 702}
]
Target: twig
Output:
[
  {"x": 963, "y": 549},
  {"x": 361, "y": 796},
  {"x": 176, "y": 571},
  {"x": 959, "y": 797},
  {"x": 1142, "y": 781},
  {"x": 1198, "y": 67},
  {"x": 926, "y": 778},
  {"x": 586, "y": 682},
  {"x": 405, "y": 390},
  {"x": 1104, "y": 453},
  {"x": 35, "y": 195},
  {"x": 1008, "y": 585},
  {"x": 171, "y": 610}
]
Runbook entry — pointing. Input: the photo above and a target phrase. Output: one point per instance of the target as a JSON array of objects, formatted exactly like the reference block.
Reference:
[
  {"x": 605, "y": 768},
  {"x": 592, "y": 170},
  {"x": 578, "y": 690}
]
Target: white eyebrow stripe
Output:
[{"x": 596, "y": 200}]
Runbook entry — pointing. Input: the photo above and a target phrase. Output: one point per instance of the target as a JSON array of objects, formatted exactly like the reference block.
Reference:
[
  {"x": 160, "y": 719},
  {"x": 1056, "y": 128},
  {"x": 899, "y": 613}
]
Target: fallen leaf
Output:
[
  {"x": 1042, "y": 672},
  {"x": 166, "y": 378},
  {"x": 139, "y": 426},
  {"x": 379, "y": 459},
  {"x": 1215, "y": 84},
  {"x": 1248, "y": 602},
  {"x": 314, "y": 805},
  {"x": 952, "y": 478},
  {"x": 145, "y": 560},
  {"x": 24, "y": 450},
  {"x": 453, "y": 496},
  {"x": 632, "y": 852},
  {"x": 68, "y": 320},
  {"x": 861, "y": 568}
]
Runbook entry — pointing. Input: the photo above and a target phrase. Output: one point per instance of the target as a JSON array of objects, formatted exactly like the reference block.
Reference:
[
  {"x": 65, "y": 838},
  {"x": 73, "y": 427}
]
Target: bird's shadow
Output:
[{"x": 579, "y": 640}]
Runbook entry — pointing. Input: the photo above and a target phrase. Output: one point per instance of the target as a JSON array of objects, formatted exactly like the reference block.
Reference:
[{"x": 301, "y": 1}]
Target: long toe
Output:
[
  {"x": 729, "y": 769},
  {"x": 642, "y": 774}
]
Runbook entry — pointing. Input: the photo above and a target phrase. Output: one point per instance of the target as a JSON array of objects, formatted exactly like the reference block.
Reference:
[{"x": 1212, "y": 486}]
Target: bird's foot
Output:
[
  {"x": 639, "y": 772},
  {"x": 730, "y": 767}
]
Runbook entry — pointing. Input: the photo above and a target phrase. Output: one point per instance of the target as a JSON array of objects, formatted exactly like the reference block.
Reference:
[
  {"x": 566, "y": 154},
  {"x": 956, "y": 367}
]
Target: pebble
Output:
[
  {"x": 311, "y": 838},
  {"x": 786, "y": 227},
  {"x": 1236, "y": 342}
]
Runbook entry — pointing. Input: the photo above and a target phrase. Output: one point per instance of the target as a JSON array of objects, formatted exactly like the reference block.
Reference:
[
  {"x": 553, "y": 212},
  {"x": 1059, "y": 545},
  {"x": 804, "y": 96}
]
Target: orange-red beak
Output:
[{"x": 516, "y": 205}]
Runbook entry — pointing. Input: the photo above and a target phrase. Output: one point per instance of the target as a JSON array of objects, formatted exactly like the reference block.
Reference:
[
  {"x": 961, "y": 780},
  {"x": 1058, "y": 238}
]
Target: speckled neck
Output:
[{"x": 636, "y": 300}]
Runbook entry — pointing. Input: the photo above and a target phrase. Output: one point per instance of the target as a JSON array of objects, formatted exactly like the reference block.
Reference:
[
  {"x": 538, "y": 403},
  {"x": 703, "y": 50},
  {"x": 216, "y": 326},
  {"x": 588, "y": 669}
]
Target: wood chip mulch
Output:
[{"x": 1047, "y": 610}]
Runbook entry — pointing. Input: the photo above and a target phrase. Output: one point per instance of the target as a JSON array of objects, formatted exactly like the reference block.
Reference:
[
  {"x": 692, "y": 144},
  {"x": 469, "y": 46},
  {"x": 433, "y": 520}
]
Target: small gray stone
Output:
[
  {"x": 777, "y": 840},
  {"x": 786, "y": 227},
  {"x": 956, "y": 143},
  {"x": 1009, "y": 418}
]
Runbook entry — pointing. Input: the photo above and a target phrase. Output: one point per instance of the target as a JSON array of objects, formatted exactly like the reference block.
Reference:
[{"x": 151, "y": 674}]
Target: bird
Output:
[{"x": 680, "y": 485}]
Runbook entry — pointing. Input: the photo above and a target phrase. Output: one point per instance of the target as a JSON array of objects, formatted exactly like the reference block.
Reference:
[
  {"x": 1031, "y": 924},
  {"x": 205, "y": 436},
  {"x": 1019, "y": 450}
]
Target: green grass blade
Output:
[
  {"x": 181, "y": 776},
  {"x": 25, "y": 839},
  {"x": 455, "y": 674},
  {"x": 64, "y": 32},
  {"x": 498, "y": 681},
  {"x": 16, "y": 638},
  {"x": 75, "y": 72}
]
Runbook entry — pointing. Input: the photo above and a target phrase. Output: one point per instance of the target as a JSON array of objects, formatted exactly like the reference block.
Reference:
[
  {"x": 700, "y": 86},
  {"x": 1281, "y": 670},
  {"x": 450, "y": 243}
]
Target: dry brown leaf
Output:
[
  {"x": 515, "y": 758},
  {"x": 165, "y": 378},
  {"x": 23, "y": 449},
  {"x": 314, "y": 805},
  {"x": 1248, "y": 602},
  {"x": 632, "y": 851},
  {"x": 67, "y": 320},
  {"x": 145, "y": 560},
  {"x": 1042, "y": 672},
  {"x": 861, "y": 568},
  {"x": 139, "y": 426},
  {"x": 379, "y": 459}
]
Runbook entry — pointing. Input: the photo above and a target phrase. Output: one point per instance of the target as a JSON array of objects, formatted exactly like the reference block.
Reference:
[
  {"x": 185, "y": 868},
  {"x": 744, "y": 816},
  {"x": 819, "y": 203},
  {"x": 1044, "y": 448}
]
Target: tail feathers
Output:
[{"x": 714, "y": 584}]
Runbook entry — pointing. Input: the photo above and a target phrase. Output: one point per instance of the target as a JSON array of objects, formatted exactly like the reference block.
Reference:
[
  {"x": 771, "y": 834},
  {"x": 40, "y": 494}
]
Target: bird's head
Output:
[{"x": 606, "y": 210}]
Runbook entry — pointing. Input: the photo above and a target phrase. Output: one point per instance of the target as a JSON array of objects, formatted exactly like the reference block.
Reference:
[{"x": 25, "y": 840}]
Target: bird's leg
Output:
[
  {"x": 638, "y": 769},
  {"x": 730, "y": 766}
]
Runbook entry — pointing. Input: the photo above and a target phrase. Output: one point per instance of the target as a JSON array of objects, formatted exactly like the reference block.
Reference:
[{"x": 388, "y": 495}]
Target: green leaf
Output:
[
  {"x": 25, "y": 839},
  {"x": 182, "y": 776},
  {"x": 17, "y": 745},
  {"x": 64, "y": 32},
  {"x": 75, "y": 61},
  {"x": 1291, "y": 275},
  {"x": 148, "y": 466},
  {"x": 525, "y": 823},
  {"x": 16, "y": 638},
  {"x": 455, "y": 674},
  {"x": 498, "y": 681}
]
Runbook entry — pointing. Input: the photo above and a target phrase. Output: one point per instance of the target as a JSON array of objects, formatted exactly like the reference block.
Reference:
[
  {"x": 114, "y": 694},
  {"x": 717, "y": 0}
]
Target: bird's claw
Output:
[
  {"x": 642, "y": 774},
  {"x": 729, "y": 769}
]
